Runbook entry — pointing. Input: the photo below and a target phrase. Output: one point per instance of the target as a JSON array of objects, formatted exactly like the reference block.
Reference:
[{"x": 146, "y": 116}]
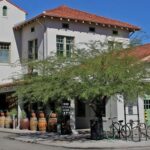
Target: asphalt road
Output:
[{"x": 8, "y": 144}]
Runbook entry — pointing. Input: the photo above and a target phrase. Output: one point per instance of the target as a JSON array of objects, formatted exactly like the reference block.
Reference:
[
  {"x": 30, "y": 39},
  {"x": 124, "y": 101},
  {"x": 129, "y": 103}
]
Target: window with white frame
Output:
[
  {"x": 130, "y": 110},
  {"x": 4, "y": 52},
  {"x": 64, "y": 45},
  {"x": 115, "y": 45},
  {"x": 33, "y": 49},
  {"x": 4, "y": 10}
]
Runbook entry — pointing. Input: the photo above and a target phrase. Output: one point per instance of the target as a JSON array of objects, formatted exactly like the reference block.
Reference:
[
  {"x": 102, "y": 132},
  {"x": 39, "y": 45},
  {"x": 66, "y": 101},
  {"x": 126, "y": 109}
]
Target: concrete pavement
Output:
[{"x": 79, "y": 141}]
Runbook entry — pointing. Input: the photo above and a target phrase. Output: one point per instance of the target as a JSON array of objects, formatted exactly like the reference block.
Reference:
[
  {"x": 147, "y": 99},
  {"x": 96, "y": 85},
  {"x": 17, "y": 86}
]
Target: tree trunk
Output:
[{"x": 98, "y": 124}]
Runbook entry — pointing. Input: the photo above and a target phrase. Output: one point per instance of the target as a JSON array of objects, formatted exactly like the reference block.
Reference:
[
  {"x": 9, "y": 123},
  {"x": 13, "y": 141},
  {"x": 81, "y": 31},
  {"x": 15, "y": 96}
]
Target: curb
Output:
[
  {"x": 78, "y": 147},
  {"x": 63, "y": 144},
  {"x": 16, "y": 131}
]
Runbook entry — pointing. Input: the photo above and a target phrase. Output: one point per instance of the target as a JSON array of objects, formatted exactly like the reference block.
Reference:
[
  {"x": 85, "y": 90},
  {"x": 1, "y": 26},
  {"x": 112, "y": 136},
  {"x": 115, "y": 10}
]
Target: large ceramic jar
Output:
[
  {"x": 42, "y": 124},
  {"x": 2, "y": 120},
  {"x": 52, "y": 122},
  {"x": 33, "y": 122},
  {"x": 8, "y": 120}
]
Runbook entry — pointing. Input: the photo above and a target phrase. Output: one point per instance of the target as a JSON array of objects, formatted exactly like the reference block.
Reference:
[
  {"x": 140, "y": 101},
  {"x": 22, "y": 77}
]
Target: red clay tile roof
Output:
[
  {"x": 141, "y": 52},
  {"x": 73, "y": 14},
  {"x": 15, "y": 6},
  {"x": 66, "y": 12}
]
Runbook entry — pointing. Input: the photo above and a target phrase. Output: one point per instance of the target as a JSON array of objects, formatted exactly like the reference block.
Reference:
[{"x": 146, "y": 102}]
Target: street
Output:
[{"x": 8, "y": 144}]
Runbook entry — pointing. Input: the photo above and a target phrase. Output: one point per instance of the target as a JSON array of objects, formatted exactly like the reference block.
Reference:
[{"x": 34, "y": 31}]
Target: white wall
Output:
[
  {"x": 15, "y": 15},
  {"x": 115, "y": 111},
  {"x": 134, "y": 117},
  {"x": 81, "y": 34},
  {"x": 48, "y": 30}
]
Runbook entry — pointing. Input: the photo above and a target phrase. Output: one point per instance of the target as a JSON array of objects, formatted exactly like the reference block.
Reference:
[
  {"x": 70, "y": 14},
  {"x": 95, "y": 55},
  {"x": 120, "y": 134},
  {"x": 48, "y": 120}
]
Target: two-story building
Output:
[{"x": 58, "y": 30}]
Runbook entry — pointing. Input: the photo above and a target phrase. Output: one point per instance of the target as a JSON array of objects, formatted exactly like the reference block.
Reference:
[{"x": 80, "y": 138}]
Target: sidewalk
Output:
[{"x": 79, "y": 141}]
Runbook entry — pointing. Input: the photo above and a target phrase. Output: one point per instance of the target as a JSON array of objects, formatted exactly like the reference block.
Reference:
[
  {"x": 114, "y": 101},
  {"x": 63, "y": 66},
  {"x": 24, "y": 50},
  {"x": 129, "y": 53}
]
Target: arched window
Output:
[{"x": 5, "y": 11}]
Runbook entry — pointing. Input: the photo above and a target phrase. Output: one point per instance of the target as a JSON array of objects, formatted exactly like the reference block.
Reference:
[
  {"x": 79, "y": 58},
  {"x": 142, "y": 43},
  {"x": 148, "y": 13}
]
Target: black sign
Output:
[{"x": 65, "y": 108}]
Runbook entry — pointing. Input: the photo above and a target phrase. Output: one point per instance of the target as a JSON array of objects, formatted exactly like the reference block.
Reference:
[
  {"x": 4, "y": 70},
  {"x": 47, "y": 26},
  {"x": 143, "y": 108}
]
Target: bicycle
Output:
[
  {"x": 140, "y": 131},
  {"x": 117, "y": 129}
]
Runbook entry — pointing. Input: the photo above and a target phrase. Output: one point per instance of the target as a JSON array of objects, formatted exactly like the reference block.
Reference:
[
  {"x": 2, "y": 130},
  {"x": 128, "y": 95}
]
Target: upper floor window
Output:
[
  {"x": 64, "y": 45},
  {"x": 91, "y": 29},
  {"x": 32, "y": 29},
  {"x": 4, "y": 52},
  {"x": 4, "y": 10},
  {"x": 115, "y": 32},
  {"x": 65, "y": 25},
  {"x": 33, "y": 49}
]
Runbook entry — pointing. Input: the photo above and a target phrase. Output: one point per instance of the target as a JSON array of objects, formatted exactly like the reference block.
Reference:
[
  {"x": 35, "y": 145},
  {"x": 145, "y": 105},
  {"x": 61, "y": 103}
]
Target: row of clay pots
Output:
[
  {"x": 5, "y": 121},
  {"x": 42, "y": 123},
  {"x": 32, "y": 124}
]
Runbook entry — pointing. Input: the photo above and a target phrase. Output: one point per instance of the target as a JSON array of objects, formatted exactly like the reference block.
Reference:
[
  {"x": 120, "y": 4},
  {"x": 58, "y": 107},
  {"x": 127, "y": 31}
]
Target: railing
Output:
[{"x": 131, "y": 131}]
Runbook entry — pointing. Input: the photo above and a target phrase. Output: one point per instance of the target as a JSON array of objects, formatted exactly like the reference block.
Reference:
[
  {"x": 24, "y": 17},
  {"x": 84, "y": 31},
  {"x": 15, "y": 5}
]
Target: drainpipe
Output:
[
  {"x": 44, "y": 38},
  {"x": 131, "y": 34},
  {"x": 138, "y": 115}
]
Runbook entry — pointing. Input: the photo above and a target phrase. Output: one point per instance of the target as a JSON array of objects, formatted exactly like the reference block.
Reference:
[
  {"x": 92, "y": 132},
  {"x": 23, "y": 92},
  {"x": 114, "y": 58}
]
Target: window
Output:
[
  {"x": 5, "y": 11},
  {"x": 114, "y": 45},
  {"x": 130, "y": 109},
  {"x": 80, "y": 108},
  {"x": 115, "y": 32},
  {"x": 65, "y": 25},
  {"x": 32, "y": 29},
  {"x": 91, "y": 29},
  {"x": 146, "y": 104},
  {"x": 33, "y": 49},
  {"x": 64, "y": 45},
  {"x": 4, "y": 52}
]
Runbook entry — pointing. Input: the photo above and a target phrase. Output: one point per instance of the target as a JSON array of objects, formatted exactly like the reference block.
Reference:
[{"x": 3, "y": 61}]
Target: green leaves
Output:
[{"x": 88, "y": 76}]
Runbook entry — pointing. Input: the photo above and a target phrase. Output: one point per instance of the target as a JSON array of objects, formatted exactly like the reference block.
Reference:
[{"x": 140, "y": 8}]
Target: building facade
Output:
[
  {"x": 10, "y": 67},
  {"x": 58, "y": 31}
]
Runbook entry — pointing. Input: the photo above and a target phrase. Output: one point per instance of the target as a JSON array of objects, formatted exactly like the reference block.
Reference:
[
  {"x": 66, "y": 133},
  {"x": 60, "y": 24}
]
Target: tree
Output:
[{"x": 93, "y": 76}]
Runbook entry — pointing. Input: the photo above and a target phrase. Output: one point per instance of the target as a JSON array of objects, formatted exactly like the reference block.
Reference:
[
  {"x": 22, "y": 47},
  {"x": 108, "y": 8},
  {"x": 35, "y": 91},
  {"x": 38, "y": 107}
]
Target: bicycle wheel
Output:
[
  {"x": 114, "y": 128},
  {"x": 143, "y": 130},
  {"x": 136, "y": 135},
  {"x": 125, "y": 131},
  {"x": 148, "y": 132}
]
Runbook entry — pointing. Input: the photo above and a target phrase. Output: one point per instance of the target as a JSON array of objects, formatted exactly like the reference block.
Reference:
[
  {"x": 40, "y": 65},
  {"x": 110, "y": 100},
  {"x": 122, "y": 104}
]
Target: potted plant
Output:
[
  {"x": 13, "y": 115},
  {"x": 24, "y": 122}
]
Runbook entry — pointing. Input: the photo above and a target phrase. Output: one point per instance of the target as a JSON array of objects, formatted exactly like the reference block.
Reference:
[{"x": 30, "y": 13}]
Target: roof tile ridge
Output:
[
  {"x": 49, "y": 10},
  {"x": 92, "y": 14},
  {"x": 107, "y": 18}
]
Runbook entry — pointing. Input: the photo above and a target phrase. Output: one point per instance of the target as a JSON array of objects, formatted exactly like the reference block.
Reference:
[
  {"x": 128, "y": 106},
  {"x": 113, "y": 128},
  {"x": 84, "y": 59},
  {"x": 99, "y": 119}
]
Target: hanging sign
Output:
[{"x": 65, "y": 108}]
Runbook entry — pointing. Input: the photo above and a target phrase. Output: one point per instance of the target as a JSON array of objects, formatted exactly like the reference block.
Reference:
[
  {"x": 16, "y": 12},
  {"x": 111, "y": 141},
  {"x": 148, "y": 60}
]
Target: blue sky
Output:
[{"x": 136, "y": 12}]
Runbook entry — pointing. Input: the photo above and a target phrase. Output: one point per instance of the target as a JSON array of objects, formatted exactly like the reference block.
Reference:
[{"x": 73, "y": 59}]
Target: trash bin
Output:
[
  {"x": 65, "y": 125},
  {"x": 95, "y": 130}
]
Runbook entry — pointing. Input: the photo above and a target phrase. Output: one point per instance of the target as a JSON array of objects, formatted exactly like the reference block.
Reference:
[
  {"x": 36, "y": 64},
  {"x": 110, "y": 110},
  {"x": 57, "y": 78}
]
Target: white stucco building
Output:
[
  {"x": 9, "y": 56},
  {"x": 57, "y": 30},
  {"x": 10, "y": 67}
]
